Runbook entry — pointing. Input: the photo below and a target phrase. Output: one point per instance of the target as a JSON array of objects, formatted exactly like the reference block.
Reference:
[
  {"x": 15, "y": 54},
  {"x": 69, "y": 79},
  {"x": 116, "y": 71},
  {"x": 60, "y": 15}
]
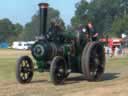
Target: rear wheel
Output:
[
  {"x": 93, "y": 61},
  {"x": 24, "y": 69},
  {"x": 83, "y": 57},
  {"x": 58, "y": 70}
]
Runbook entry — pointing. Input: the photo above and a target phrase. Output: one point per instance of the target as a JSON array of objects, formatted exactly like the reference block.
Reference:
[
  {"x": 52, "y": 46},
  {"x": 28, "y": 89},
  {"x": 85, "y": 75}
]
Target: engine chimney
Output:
[{"x": 43, "y": 18}]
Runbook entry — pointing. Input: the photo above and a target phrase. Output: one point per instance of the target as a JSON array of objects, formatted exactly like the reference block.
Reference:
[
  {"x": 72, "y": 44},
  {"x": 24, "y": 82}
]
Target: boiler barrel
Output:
[{"x": 43, "y": 50}]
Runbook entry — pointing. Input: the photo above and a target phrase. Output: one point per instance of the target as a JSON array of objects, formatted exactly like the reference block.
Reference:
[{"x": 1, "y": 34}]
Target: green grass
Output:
[
  {"x": 7, "y": 68},
  {"x": 117, "y": 62},
  {"x": 8, "y": 64}
]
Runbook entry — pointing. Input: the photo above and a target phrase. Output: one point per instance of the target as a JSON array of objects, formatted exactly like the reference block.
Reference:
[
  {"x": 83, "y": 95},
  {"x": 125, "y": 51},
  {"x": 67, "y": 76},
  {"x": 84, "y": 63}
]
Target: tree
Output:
[
  {"x": 80, "y": 13},
  {"x": 103, "y": 13},
  {"x": 18, "y": 29},
  {"x": 119, "y": 26},
  {"x": 9, "y": 31},
  {"x": 6, "y": 29},
  {"x": 32, "y": 28}
]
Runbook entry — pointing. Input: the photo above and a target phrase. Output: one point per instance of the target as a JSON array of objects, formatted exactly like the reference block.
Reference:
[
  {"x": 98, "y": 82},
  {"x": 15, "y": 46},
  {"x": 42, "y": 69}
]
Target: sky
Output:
[{"x": 21, "y": 11}]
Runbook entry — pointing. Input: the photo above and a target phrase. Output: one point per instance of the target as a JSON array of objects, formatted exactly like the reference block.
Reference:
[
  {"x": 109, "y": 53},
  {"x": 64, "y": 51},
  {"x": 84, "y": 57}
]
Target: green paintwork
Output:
[
  {"x": 64, "y": 48},
  {"x": 40, "y": 65}
]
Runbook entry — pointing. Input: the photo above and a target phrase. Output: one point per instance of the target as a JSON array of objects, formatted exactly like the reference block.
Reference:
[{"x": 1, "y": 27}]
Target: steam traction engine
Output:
[{"x": 62, "y": 54}]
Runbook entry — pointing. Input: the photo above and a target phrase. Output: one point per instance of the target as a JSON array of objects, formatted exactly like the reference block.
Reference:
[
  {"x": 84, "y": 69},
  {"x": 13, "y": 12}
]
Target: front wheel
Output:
[
  {"x": 24, "y": 69},
  {"x": 58, "y": 70}
]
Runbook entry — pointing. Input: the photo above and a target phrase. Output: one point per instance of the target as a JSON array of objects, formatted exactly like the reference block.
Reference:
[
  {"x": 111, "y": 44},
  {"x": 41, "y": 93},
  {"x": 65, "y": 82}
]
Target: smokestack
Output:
[{"x": 43, "y": 18}]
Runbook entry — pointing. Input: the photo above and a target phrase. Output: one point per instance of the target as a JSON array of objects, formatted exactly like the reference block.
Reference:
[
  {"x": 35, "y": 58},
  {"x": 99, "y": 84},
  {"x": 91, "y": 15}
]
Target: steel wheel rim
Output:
[
  {"x": 60, "y": 70},
  {"x": 25, "y": 70}
]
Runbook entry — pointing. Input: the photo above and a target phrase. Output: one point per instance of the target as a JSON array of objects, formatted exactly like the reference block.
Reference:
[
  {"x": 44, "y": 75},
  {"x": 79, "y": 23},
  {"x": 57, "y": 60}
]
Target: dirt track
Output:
[{"x": 114, "y": 83}]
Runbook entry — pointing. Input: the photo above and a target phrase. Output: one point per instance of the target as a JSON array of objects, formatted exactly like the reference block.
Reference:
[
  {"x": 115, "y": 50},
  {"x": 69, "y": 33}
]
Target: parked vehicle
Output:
[{"x": 22, "y": 45}]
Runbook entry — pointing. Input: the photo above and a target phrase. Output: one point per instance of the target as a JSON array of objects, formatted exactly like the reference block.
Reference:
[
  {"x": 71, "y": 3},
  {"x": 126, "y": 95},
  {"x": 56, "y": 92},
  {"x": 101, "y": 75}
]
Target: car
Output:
[{"x": 20, "y": 45}]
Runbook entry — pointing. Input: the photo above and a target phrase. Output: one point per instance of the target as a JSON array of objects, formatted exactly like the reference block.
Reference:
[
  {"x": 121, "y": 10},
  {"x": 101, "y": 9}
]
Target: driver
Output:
[{"x": 91, "y": 31}]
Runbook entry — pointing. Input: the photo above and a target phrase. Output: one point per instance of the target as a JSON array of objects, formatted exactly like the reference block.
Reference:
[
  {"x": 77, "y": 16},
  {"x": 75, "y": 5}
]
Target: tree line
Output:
[
  {"x": 10, "y": 32},
  {"x": 110, "y": 17}
]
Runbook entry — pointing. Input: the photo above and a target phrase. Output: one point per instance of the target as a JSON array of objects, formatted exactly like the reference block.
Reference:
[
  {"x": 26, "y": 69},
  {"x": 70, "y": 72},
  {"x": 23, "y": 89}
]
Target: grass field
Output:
[{"x": 114, "y": 82}]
